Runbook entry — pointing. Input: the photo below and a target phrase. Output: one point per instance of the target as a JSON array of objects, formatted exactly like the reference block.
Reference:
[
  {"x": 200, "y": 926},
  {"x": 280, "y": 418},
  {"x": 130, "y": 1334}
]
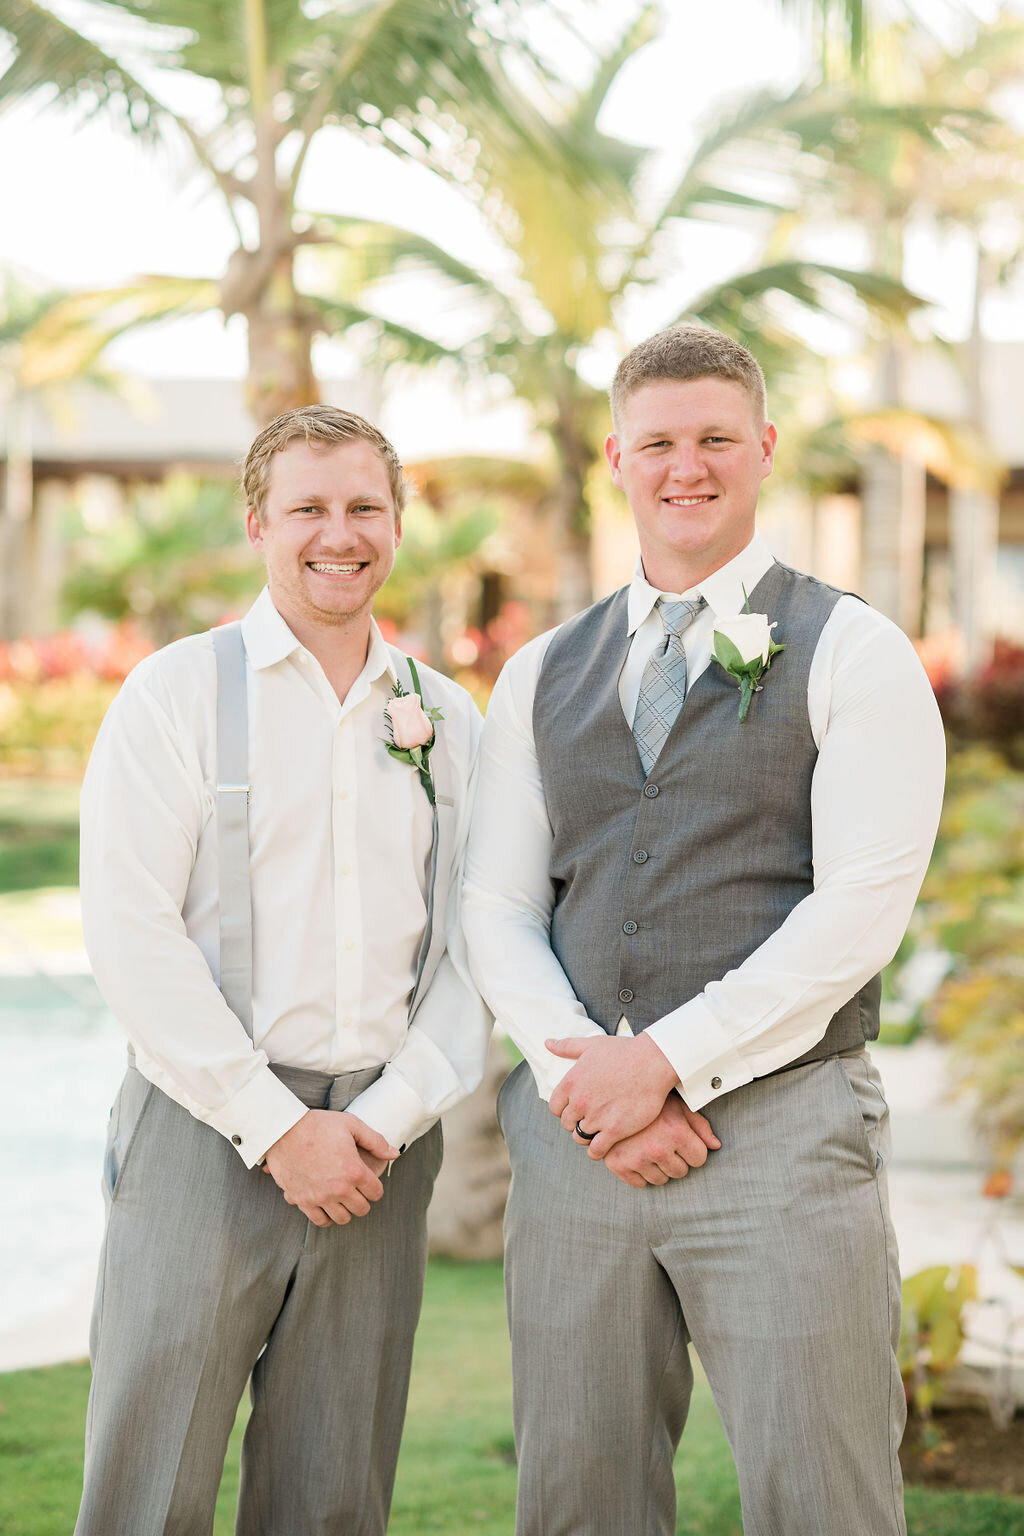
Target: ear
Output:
[
  {"x": 769, "y": 437},
  {"x": 613, "y": 453},
  {"x": 253, "y": 528},
  {"x": 398, "y": 529}
]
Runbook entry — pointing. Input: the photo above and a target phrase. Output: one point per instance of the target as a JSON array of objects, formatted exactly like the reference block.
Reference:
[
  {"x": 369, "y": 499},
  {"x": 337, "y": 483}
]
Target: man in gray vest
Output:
[
  {"x": 705, "y": 808},
  {"x": 272, "y": 827}
]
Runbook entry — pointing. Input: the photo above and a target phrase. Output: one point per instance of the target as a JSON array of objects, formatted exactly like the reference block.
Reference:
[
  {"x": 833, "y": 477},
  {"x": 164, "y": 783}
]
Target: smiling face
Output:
[
  {"x": 690, "y": 455},
  {"x": 328, "y": 532}
]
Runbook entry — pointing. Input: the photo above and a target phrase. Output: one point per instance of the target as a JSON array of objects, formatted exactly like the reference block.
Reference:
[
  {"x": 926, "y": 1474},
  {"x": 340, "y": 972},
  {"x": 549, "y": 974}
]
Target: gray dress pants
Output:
[
  {"x": 208, "y": 1277},
  {"x": 777, "y": 1259}
]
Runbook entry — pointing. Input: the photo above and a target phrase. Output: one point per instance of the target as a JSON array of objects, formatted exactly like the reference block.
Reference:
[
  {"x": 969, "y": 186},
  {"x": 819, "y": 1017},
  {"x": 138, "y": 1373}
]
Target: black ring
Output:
[{"x": 582, "y": 1134}]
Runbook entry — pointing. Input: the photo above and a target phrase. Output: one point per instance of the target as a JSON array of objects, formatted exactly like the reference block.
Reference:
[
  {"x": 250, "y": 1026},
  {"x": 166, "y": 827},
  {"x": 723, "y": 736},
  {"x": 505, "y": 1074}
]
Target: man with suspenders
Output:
[{"x": 273, "y": 822}]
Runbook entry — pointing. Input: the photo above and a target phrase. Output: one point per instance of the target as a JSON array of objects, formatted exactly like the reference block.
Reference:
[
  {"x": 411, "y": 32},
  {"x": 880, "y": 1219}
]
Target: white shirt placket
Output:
[{"x": 347, "y": 898}]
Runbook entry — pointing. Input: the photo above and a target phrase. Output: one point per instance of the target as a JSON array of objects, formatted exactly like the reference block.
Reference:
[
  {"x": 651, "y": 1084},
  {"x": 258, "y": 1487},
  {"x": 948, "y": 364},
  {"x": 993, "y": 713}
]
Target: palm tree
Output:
[
  {"x": 581, "y": 249},
  {"x": 418, "y": 77}
]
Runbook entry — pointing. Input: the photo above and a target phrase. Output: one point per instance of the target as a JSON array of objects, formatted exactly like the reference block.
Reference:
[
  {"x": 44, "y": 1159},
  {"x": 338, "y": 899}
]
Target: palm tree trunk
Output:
[{"x": 574, "y": 588}]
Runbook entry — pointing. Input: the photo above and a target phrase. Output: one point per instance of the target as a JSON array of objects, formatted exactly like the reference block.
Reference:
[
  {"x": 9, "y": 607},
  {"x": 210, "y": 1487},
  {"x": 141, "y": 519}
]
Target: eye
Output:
[
  {"x": 712, "y": 438},
  {"x": 662, "y": 442}
]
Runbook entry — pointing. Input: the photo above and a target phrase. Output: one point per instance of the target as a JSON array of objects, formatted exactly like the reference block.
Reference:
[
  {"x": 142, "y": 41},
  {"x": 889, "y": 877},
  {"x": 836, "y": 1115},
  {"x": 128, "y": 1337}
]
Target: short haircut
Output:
[
  {"x": 324, "y": 425},
  {"x": 688, "y": 352}
]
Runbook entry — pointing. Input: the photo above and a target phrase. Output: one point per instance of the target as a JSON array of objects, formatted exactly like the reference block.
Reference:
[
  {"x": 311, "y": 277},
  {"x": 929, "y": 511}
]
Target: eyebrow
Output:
[
  {"x": 668, "y": 432},
  {"x": 317, "y": 498}
]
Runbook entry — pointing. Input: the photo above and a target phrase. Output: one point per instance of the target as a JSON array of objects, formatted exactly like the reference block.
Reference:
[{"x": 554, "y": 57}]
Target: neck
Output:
[
  {"x": 675, "y": 572},
  {"x": 340, "y": 648}
]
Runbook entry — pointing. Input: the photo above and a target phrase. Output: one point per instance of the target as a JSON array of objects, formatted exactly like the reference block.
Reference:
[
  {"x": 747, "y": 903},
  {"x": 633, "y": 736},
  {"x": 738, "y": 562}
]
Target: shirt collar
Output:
[
  {"x": 722, "y": 590},
  {"x": 268, "y": 640}
]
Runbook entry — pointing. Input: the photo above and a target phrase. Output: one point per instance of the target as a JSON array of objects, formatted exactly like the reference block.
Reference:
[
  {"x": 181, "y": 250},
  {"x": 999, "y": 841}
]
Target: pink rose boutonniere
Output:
[{"x": 411, "y": 730}]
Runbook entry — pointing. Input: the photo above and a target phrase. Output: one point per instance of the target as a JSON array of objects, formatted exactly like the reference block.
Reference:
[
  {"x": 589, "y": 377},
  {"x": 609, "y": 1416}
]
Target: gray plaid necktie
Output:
[{"x": 663, "y": 686}]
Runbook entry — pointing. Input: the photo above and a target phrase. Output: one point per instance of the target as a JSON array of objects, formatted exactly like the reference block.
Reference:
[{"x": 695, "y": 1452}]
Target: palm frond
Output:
[
  {"x": 385, "y": 341},
  {"x": 50, "y": 54},
  {"x": 380, "y": 250},
  {"x": 70, "y": 336},
  {"x": 414, "y": 70},
  {"x": 811, "y": 284}
]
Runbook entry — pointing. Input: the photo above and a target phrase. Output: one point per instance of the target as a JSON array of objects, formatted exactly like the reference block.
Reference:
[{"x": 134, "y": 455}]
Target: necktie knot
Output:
[{"x": 677, "y": 615}]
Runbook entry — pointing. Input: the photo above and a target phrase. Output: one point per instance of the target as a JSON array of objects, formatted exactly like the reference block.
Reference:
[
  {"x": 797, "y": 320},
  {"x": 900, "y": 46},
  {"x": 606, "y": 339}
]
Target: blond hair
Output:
[
  {"x": 688, "y": 352},
  {"x": 317, "y": 424}
]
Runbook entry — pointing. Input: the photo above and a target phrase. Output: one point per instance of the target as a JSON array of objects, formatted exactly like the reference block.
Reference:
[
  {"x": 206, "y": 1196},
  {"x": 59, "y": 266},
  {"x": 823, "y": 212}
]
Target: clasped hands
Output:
[
  {"x": 329, "y": 1165},
  {"x": 621, "y": 1092}
]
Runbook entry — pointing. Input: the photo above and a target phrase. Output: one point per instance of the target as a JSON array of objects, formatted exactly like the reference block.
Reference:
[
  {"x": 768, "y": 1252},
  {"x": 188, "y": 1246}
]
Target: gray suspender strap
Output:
[
  {"x": 233, "y": 823},
  {"x": 435, "y": 931}
]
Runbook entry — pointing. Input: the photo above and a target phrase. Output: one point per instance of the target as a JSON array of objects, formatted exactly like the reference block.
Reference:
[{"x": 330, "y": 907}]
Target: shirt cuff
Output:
[
  {"x": 257, "y": 1116},
  {"x": 394, "y": 1109},
  {"x": 705, "y": 1059}
]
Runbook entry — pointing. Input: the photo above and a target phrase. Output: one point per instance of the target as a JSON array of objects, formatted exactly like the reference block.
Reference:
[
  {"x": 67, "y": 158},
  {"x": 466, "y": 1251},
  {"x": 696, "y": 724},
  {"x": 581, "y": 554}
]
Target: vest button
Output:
[
  {"x": 629, "y": 927},
  {"x": 716, "y": 1082},
  {"x": 625, "y": 996},
  {"x": 640, "y": 857},
  {"x": 651, "y": 791}
]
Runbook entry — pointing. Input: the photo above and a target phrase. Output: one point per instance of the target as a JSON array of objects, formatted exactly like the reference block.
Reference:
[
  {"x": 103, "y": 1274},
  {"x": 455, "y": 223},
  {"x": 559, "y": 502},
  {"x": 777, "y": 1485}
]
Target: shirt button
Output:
[
  {"x": 350, "y": 943},
  {"x": 236, "y": 1141},
  {"x": 626, "y": 995},
  {"x": 651, "y": 791},
  {"x": 342, "y": 794},
  {"x": 344, "y": 869},
  {"x": 640, "y": 857},
  {"x": 629, "y": 927},
  {"x": 346, "y": 1023},
  {"x": 716, "y": 1082}
]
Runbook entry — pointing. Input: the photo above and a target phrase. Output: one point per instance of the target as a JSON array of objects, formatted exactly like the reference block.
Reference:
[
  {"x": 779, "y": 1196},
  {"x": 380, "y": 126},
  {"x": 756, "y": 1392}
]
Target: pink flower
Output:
[{"x": 410, "y": 726}]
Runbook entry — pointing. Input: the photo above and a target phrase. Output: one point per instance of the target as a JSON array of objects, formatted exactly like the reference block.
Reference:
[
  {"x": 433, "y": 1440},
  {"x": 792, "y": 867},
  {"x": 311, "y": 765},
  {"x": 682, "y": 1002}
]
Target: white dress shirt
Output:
[
  {"x": 876, "y": 794},
  {"x": 340, "y": 838}
]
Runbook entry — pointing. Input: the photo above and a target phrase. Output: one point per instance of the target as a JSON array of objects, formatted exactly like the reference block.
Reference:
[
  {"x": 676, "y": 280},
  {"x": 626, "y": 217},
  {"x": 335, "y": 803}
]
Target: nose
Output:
[
  {"x": 338, "y": 532},
  {"x": 688, "y": 461}
]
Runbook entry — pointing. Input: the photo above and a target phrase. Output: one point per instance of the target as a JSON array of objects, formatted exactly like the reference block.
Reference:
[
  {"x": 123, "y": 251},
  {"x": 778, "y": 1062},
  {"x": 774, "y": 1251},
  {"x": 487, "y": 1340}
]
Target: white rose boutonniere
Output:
[
  {"x": 744, "y": 647},
  {"x": 412, "y": 730}
]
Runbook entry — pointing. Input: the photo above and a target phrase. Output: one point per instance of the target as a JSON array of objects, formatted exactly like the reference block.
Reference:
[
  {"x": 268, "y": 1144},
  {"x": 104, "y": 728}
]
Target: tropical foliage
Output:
[
  {"x": 424, "y": 79},
  {"x": 972, "y": 904},
  {"x": 580, "y": 252}
]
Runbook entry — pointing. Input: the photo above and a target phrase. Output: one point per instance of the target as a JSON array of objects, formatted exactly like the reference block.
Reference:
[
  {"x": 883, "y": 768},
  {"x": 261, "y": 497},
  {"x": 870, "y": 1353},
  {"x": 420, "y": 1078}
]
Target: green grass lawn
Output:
[
  {"x": 38, "y": 834},
  {"x": 455, "y": 1473}
]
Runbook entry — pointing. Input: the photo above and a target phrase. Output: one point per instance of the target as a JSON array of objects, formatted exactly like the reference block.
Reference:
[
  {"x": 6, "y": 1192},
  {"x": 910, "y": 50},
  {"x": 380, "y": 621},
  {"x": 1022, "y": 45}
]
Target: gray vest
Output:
[{"x": 664, "y": 884}]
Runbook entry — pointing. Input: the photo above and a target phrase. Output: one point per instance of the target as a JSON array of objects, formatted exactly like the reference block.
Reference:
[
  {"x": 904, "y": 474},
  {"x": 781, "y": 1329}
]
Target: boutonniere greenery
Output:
[
  {"x": 411, "y": 729},
  {"x": 744, "y": 647}
]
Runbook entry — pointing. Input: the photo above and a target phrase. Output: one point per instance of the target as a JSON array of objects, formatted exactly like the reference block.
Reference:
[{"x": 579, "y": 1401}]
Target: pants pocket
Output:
[
  {"x": 126, "y": 1116},
  {"x": 503, "y": 1091},
  {"x": 864, "y": 1086}
]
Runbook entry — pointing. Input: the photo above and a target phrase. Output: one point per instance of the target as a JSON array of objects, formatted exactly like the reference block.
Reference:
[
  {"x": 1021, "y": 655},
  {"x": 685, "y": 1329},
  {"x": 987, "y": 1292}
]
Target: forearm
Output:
[
  {"x": 440, "y": 1061},
  {"x": 876, "y": 795}
]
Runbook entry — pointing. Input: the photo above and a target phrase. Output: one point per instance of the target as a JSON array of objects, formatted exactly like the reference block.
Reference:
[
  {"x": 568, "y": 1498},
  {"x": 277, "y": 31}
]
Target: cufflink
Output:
[
  {"x": 236, "y": 1141},
  {"x": 716, "y": 1082}
]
